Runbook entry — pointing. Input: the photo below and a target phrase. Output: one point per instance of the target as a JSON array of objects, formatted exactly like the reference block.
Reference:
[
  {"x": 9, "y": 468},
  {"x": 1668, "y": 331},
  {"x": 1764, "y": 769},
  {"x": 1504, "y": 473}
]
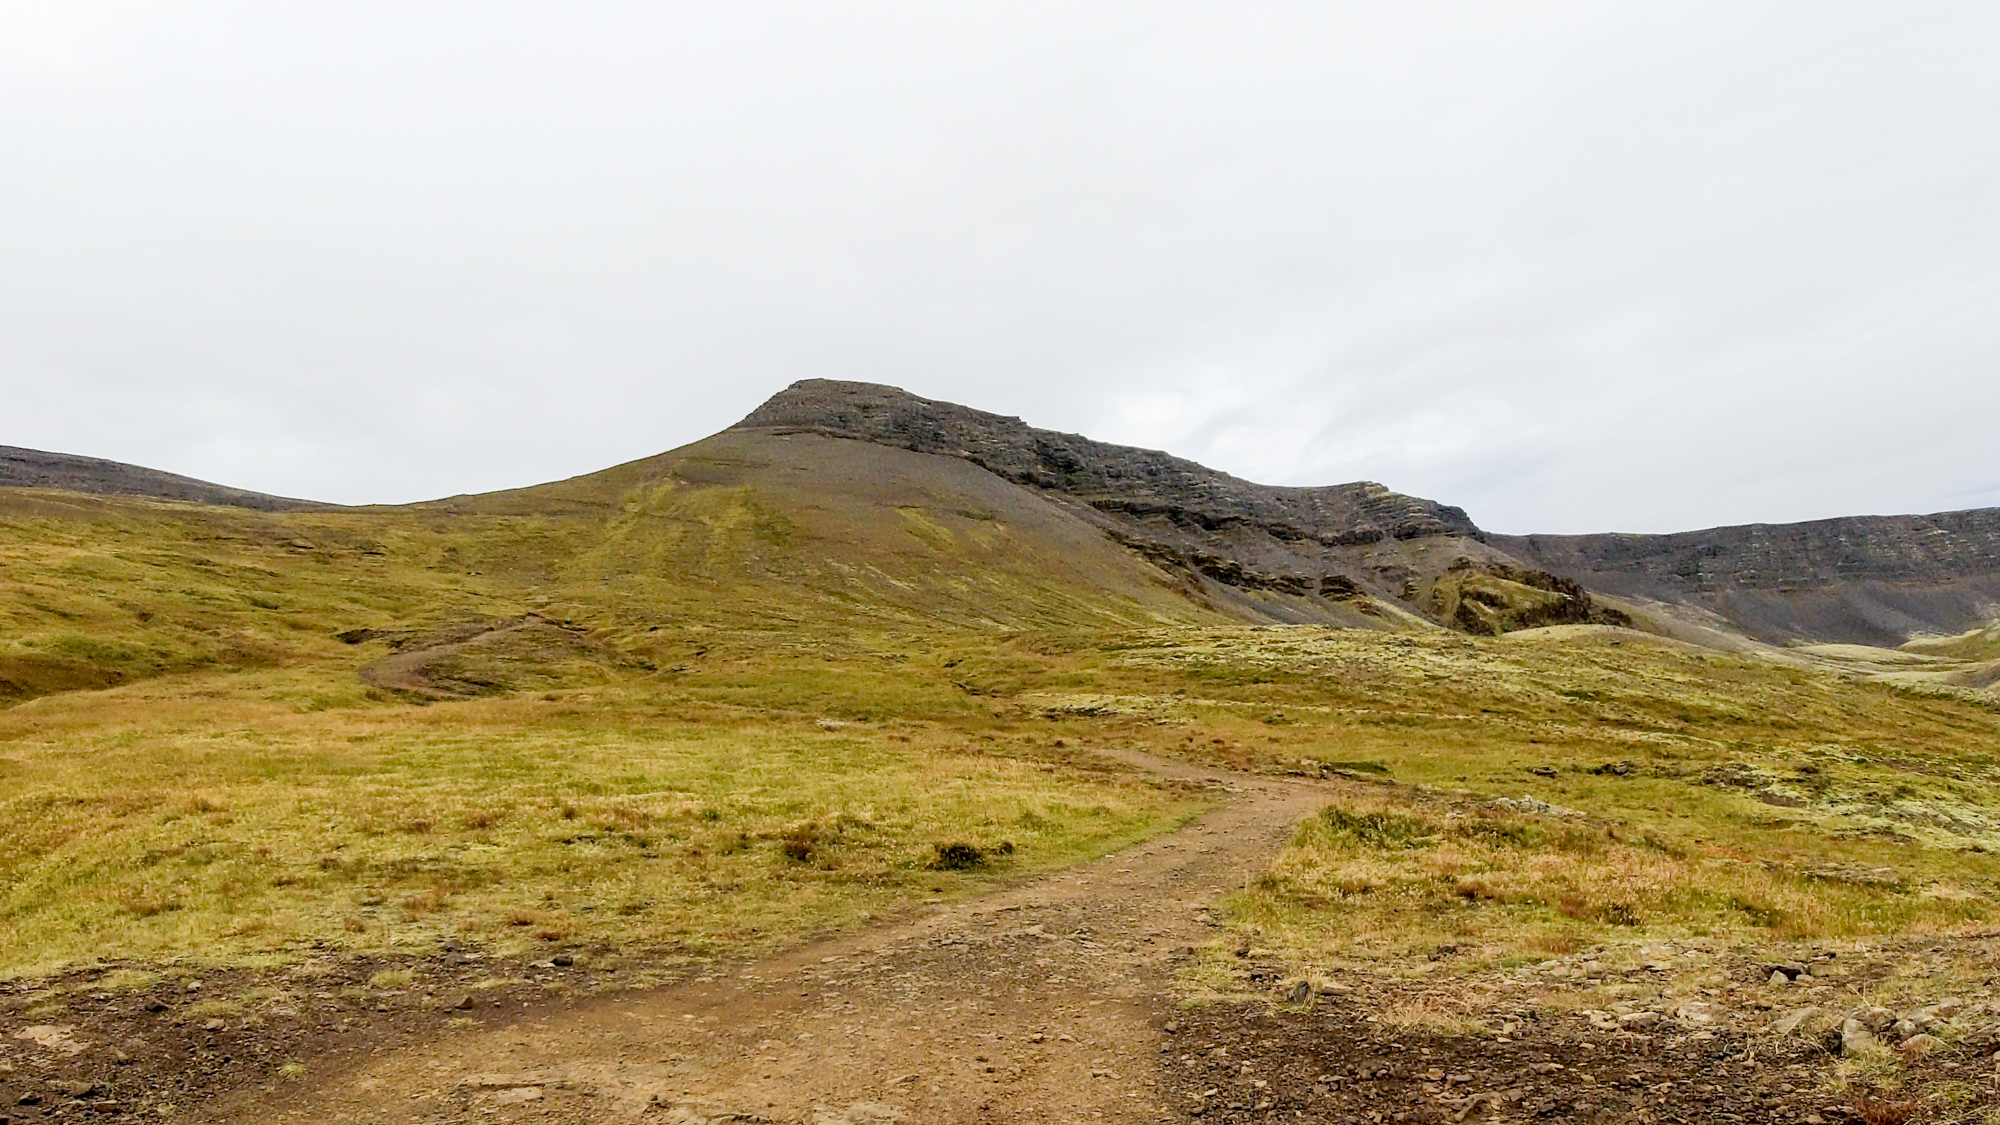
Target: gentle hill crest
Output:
[{"x": 34, "y": 468}]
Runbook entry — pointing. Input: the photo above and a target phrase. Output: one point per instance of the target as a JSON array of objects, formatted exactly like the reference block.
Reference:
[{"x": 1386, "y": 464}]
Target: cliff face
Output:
[
  {"x": 1139, "y": 483},
  {"x": 1327, "y": 554},
  {"x": 32, "y": 468},
  {"x": 1787, "y": 557},
  {"x": 1875, "y": 579}
]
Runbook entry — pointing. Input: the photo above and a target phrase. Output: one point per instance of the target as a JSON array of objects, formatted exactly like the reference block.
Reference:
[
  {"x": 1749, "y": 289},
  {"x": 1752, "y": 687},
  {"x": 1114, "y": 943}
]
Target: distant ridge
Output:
[
  {"x": 34, "y": 468},
  {"x": 1878, "y": 579},
  {"x": 1785, "y": 556}
]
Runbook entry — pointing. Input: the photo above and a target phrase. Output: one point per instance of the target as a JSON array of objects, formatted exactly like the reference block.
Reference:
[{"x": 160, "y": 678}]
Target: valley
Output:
[{"x": 881, "y": 760}]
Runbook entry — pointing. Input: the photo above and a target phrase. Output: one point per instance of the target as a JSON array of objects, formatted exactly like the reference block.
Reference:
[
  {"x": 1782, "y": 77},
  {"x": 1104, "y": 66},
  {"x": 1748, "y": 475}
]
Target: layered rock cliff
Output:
[
  {"x": 1306, "y": 553},
  {"x": 1871, "y": 579},
  {"x": 1140, "y": 483}
]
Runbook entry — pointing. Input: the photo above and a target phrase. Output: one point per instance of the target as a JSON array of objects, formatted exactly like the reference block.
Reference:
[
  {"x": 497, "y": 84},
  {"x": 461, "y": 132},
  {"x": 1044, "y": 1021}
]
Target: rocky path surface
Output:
[{"x": 1042, "y": 1003}]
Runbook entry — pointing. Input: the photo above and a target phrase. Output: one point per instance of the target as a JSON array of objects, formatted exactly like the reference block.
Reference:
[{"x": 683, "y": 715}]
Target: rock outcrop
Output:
[
  {"x": 1325, "y": 553},
  {"x": 1141, "y": 484}
]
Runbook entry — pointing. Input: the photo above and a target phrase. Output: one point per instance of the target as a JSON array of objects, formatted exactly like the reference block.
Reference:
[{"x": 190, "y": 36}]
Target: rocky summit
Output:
[{"x": 1324, "y": 553}]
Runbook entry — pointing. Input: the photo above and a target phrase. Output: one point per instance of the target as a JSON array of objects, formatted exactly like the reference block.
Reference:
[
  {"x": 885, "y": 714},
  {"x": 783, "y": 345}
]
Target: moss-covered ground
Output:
[{"x": 774, "y": 740}]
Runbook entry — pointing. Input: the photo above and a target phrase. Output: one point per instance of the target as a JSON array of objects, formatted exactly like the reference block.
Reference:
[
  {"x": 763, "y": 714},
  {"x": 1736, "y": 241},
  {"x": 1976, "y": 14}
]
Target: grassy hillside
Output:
[
  {"x": 654, "y": 559},
  {"x": 751, "y": 688},
  {"x": 200, "y": 758}
]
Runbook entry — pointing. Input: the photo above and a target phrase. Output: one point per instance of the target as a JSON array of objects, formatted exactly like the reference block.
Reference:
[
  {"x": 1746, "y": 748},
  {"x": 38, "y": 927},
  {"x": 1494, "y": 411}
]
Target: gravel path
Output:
[{"x": 1042, "y": 1003}]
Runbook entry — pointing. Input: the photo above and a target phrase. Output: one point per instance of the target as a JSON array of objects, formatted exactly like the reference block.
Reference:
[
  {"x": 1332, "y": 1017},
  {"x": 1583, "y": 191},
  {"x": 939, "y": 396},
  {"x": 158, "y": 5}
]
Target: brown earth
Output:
[{"x": 1052, "y": 1000}]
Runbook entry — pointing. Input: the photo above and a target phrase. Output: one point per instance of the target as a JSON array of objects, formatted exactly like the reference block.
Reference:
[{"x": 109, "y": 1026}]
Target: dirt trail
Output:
[{"x": 1040, "y": 1003}]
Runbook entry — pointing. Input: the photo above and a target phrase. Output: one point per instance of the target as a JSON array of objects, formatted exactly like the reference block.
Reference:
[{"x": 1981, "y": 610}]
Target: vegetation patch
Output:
[{"x": 1388, "y": 877}]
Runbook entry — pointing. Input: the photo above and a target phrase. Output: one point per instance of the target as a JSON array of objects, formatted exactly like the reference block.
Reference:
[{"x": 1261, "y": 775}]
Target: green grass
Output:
[
  {"x": 163, "y": 824},
  {"x": 1388, "y": 880},
  {"x": 795, "y": 706}
]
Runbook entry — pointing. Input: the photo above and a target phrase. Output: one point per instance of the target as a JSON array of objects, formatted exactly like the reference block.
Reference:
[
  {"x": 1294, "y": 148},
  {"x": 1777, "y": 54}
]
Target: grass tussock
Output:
[{"x": 1388, "y": 877}]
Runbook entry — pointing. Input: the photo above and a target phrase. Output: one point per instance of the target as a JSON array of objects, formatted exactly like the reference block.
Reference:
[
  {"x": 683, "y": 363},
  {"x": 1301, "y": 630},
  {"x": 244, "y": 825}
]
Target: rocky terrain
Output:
[{"x": 1297, "y": 552}]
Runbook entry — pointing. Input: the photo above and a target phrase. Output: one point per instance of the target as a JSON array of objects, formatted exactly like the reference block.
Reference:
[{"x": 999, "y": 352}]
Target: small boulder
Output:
[
  {"x": 1855, "y": 1038},
  {"x": 1640, "y": 1021}
]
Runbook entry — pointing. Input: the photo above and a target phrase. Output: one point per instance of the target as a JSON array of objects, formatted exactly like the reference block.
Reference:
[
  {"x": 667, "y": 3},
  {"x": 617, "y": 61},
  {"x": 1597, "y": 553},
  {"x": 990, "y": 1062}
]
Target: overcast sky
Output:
[{"x": 1576, "y": 267}]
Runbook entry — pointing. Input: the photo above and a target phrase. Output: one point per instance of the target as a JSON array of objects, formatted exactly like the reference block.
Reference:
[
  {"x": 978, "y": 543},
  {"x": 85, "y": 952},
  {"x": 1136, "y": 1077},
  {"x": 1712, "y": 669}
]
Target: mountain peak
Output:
[{"x": 1139, "y": 482}]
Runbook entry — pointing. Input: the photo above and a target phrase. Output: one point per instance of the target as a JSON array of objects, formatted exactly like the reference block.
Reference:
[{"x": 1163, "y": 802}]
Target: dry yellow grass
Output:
[
  {"x": 1396, "y": 878},
  {"x": 143, "y": 823},
  {"x": 795, "y": 706}
]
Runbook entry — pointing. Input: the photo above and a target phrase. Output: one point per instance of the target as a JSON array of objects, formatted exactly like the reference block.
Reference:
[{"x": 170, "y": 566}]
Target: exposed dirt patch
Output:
[
  {"x": 482, "y": 658},
  {"x": 96, "y": 1043},
  {"x": 1331, "y": 1062}
]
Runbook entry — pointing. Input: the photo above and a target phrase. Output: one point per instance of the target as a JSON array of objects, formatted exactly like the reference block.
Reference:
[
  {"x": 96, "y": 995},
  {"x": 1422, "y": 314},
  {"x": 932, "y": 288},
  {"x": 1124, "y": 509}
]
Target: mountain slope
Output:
[
  {"x": 33, "y": 468},
  {"x": 833, "y": 528},
  {"x": 868, "y": 505},
  {"x": 1286, "y": 554}
]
